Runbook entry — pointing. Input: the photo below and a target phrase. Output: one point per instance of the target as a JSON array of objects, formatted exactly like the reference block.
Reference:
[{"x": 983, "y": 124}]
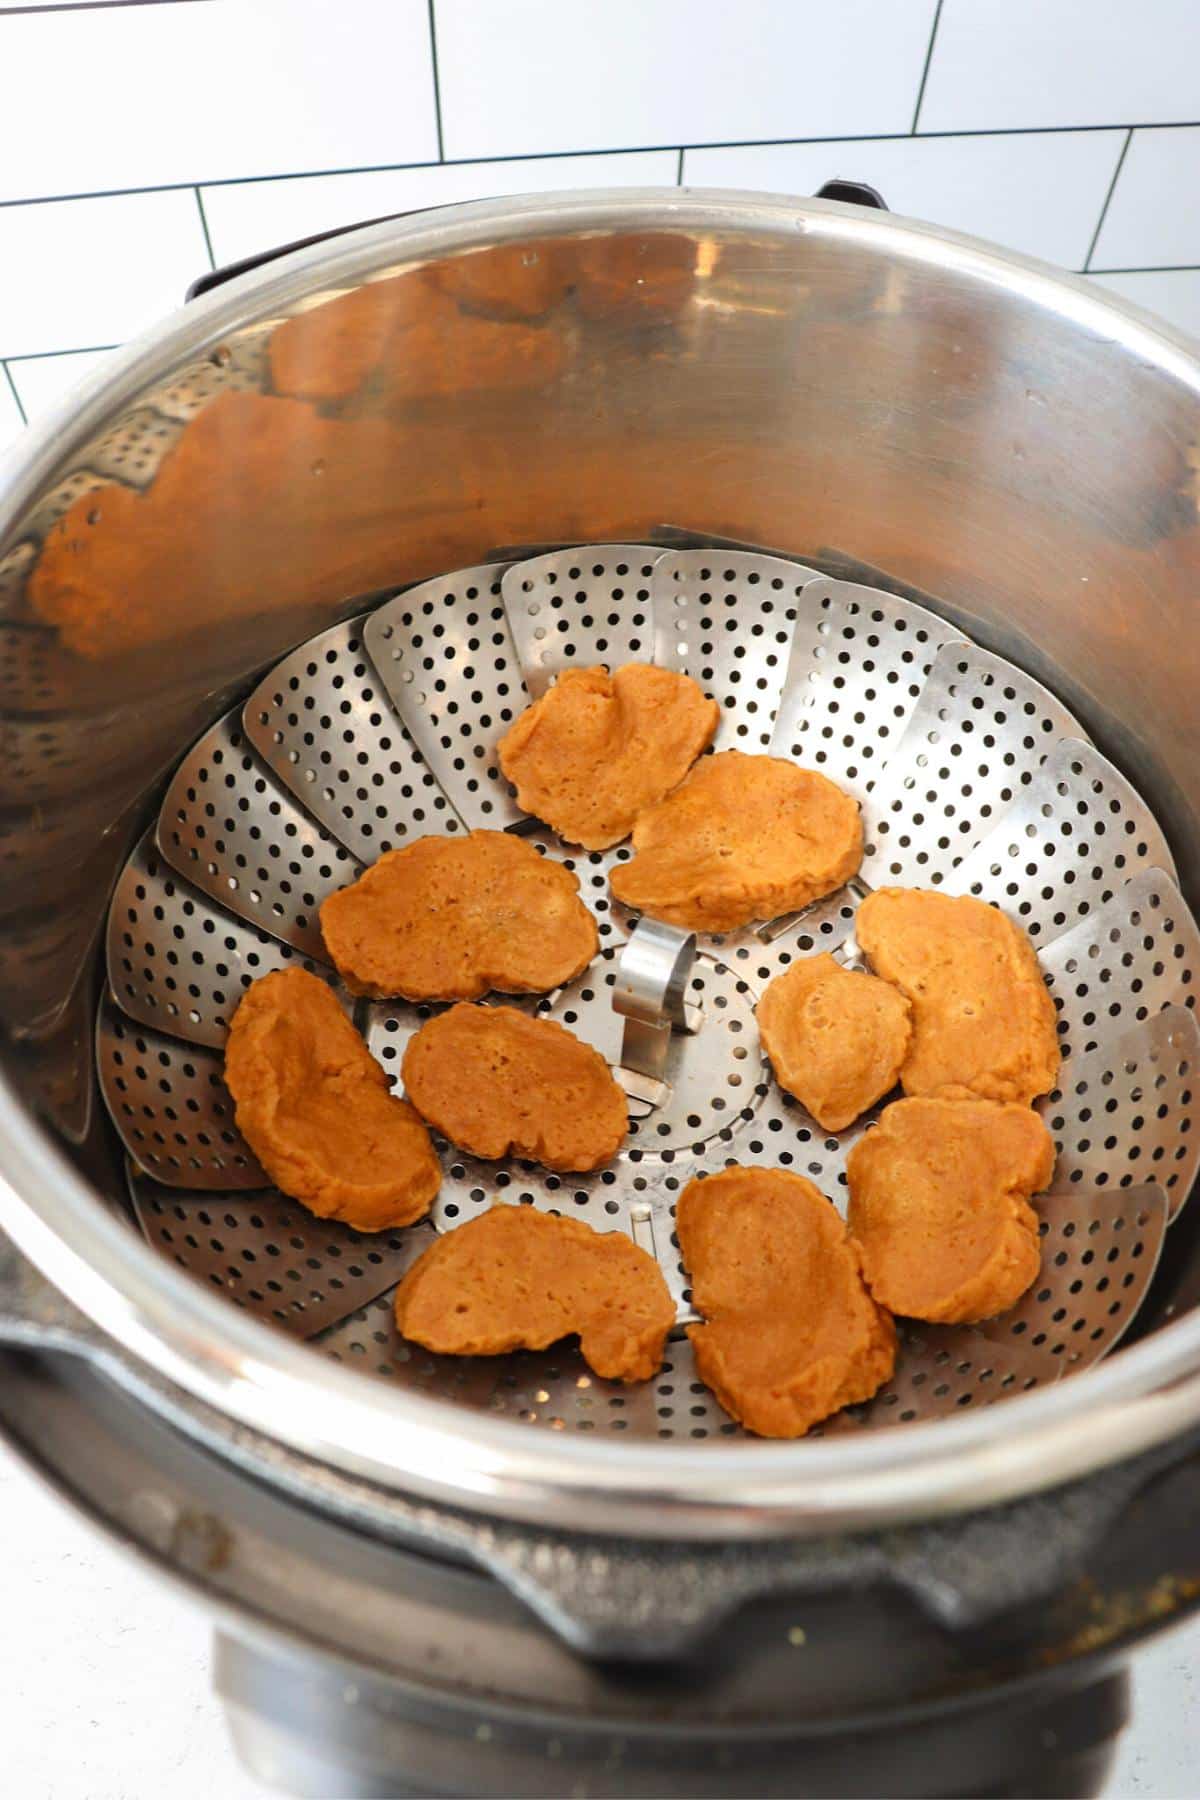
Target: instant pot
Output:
[{"x": 418, "y": 1587}]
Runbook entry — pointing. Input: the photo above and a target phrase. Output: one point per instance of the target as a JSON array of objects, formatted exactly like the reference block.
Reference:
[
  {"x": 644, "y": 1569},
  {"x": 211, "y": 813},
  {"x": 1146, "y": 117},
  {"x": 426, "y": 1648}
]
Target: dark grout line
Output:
[
  {"x": 679, "y": 171},
  {"x": 437, "y": 84},
  {"x": 937, "y": 19},
  {"x": 1029, "y": 130},
  {"x": 12, "y": 388},
  {"x": 1112, "y": 187},
  {"x": 1033, "y": 130},
  {"x": 212, "y": 261},
  {"x": 1149, "y": 269},
  {"x": 95, "y": 6},
  {"x": 464, "y": 162},
  {"x": 70, "y": 350}
]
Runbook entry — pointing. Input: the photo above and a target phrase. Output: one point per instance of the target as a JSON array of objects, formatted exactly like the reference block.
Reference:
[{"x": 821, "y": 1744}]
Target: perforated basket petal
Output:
[
  {"x": 860, "y": 659},
  {"x": 325, "y": 727},
  {"x": 235, "y": 832},
  {"x": 727, "y": 619},
  {"x": 1123, "y": 964},
  {"x": 171, "y": 1108},
  {"x": 1067, "y": 845},
  {"x": 974, "y": 740},
  {"x": 445, "y": 656},
  {"x": 271, "y": 1257},
  {"x": 177, "y": 961},
  {"x": 1126, "y": 1113},
  {"x": 580, "y": 607}
]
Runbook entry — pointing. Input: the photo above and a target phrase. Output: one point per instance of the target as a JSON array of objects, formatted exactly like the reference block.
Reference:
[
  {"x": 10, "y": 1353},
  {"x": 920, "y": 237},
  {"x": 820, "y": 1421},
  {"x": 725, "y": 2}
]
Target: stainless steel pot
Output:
[{"x": 862, "y": 392}]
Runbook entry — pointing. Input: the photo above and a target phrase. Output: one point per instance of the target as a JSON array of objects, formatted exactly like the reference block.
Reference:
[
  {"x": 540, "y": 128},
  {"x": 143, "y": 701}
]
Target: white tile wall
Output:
[
  {"x": 1014, "y": 64},
  {"x": 247, "y": 216},
  {"x": 541, "y": 75},
  {"x": 1153, "y": 217},
  {"x": 132, "y": 135},
  {"x": 42, "y": 381},
  {"x": 133, "y": 96},
  {"x": 78, "y": 273},
  {"x": 10, "y": 416},
  {"x": 1172, "y": 293},
  {"x": 1038, "y": 192}
]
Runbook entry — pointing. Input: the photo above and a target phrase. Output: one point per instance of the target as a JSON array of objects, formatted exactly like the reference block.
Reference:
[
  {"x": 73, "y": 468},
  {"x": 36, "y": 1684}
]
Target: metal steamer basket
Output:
[
  {"x": 978, "y": 618},
  {"x": 971, "y": 777}
]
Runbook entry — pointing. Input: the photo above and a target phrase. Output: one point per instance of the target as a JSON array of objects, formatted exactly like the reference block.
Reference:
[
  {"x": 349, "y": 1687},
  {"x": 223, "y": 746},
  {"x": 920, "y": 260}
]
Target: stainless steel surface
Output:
[
  {"x": 730, "y": 623},
  {"x": 1123, "y": 963},
  {"x": 176, "y": 960},
  {"x": 44, "y": 759},
  {"x": 1083, "y": 823},
  {"x": 650, "y": 993},
  {"x": 453, "y": 715},
  {"x": 865, "y": 657},
  {"x": 273, "y": 870},
  {"x": 678, "y": 1029},
  {"x": 1012, "y": 442},
  {"x": 1128, "y": 1115},
  {"x": 325, "y": 730},
  {"x": 578, "y": 607},
  {"x": 708, "y": 1067},
  {"x": 171, "y": 1108},
  {"x": 974, "y": 739},
  {"x": 271, "y": 1257}
]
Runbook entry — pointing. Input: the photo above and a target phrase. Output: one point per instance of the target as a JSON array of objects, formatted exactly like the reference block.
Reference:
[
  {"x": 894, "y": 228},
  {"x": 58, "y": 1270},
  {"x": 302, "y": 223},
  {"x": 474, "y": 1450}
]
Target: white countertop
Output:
[{"x": 106, "y": 1695}]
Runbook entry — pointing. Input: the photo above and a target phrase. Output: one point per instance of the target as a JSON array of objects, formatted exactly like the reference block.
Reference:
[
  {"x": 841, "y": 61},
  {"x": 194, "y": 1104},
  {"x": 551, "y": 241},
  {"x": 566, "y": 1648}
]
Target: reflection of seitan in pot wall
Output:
[
  {"x": 263, "y": 506},
  {"x": 385, "y": 345},
  {"x": 747, "y": 385},
  {"x": 266, "y": 505}
]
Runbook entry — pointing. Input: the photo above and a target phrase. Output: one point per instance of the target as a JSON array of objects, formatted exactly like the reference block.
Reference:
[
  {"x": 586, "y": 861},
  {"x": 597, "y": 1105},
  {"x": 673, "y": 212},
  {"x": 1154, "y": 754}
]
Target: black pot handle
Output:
[
  {"x": 645, "y": 1600},
  {"x": 204, "y": 284},
  {"x": 855, "y": 191}
]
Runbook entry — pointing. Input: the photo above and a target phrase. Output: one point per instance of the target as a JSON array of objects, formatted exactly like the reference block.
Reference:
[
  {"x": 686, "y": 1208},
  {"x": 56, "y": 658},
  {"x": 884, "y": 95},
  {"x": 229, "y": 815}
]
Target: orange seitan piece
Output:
[
  {"x": 983, "y": 1021},
  {"x": 317, "y": 1110},
  {"x": 498, "y": 1083},
  {"x": 939, "y": 1202},
  {"x": 448, "y": 918},
  {"x": 518, "y": 1279},
  {"x": 597, "y": 749},
  {"x": 836, "y": 1039},
  {"x": 791, "y": 1333},
  {"x": 745, "y": 837}
]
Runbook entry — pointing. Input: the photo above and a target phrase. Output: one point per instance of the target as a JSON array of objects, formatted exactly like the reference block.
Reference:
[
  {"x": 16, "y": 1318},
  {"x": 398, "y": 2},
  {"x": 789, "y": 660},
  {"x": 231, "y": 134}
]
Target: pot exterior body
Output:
[{"x": 354, "y": 1667}]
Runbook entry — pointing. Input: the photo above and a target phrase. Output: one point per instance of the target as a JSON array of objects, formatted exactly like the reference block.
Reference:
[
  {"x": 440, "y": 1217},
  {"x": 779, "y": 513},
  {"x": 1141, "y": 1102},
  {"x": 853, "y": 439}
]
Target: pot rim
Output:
[{"x": 416, "y": 1444}]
